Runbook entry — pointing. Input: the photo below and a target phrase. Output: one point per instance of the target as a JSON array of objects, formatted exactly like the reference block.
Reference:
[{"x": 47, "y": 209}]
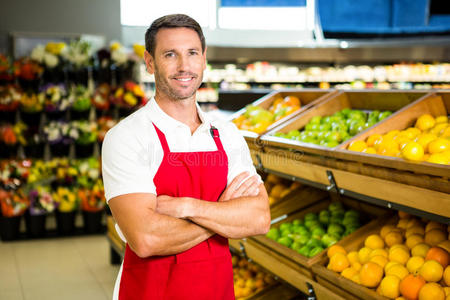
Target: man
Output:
[{"x": 176, "y": 192}]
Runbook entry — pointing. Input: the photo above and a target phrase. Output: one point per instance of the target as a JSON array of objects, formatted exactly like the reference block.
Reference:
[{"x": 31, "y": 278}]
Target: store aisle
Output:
[{"x": 66, "y": 268}]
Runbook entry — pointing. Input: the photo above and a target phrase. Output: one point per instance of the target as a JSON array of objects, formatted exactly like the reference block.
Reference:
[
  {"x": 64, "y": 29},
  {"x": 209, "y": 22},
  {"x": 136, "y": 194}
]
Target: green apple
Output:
[
  {"x": 304, "y": 250},
  {"x": 324, "y": 217},
  {"x": 313, "y": 242},
  {"x": 335, "y": 228},
  {"x": 285, "y": 226},
  {"x": 335, "y": 205},
  {"x": 302, "y": 238},
  {"x": 284, "y": 240},
  {"x": 297, "y": 222},
  {"x": 314, "y": 251},
  {"x": 329, "y": 239},
  {"x": 317, "y": 232},
  {"x": 273, "y": 234}
]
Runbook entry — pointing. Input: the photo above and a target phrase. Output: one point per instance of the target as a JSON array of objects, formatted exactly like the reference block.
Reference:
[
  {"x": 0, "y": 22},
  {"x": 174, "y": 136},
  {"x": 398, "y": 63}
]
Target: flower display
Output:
[
  {"x": 139, "y": 50},
  {"x": 13, "y": 203},
  {"x": 41, "y": 200},
  {"x": 104, "y": 124},
  {"x": 14, "y": 172},
  {"x": 130, "y": 95},
  {"x": 54, "y": 97},
  {"x": 39, "y": 171},
  {"x": 118, "y": 55},
  {"x": 64, "y": 169},
  {"x": 9, "y": 98},
  {"x": 8, "y": 70},
  {"x": 89, "y": 172},
  {"x": 78, "y": 53},
  {"x": 101, "y": 98},
  {"x": 65, "y": 199},
  {"x": 84, "y": 132},
  {"x": 28, "y": 69},
  {"x": 80, "y": 96},
  {"x": 31, "y": 103},
  {"x": 60, "y": 132},
  {"x": 49, "y": 55},
  {"x": 92, "y": 200},
  {"x": 12, "y": 134}
]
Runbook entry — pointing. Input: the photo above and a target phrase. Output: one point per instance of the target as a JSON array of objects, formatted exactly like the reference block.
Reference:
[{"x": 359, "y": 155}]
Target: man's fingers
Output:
[{"x": 247, "y": 184}]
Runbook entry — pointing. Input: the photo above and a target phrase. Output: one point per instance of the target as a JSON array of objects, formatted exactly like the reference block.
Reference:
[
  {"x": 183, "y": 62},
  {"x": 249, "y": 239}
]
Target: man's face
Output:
[{"x": 178, "y": 62}]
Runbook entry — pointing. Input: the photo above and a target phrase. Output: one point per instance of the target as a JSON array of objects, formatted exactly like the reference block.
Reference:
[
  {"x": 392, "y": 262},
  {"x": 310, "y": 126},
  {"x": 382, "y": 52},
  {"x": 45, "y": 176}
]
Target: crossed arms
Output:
[{"x": 167, "y": 225}]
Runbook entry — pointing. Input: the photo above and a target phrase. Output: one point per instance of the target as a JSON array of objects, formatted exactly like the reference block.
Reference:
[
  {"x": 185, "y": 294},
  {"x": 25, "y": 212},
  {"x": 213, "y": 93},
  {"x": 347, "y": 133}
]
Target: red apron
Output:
[{"x": 204, "y": 271}]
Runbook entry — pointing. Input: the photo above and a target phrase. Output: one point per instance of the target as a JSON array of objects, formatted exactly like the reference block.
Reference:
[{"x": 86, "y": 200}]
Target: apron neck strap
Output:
[
  {"x": 162, "y": 139},
  {"x": 215, "y": 135}
]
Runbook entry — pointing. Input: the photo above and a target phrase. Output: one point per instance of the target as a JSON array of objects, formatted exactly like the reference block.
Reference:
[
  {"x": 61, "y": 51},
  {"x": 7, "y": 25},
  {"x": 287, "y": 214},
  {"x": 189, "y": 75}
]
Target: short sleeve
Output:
[
  {"x": 239, "y": 158},
  {"x": 125, "y": 165}
]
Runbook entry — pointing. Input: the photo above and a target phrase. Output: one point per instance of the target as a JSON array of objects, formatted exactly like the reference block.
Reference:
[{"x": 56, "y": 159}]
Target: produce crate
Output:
[
  {"x": 114, "y": 239},
  {"x": 362, "y": 100},
  {"x": 341, "y": 285},
  {"x": 435, "y": 104},
  {"x": 303, "y": 263},
  {"x": 308, "y": 98},
  {"x": 291, "y": 203}
]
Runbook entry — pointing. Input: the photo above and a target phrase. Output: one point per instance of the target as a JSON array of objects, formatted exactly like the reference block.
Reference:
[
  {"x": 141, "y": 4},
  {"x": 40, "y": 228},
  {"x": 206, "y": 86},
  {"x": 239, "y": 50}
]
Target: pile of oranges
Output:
[
  {"x": 428, "y": 140},
  {"x": 407, "y": 260},
  {"x": 277, "y": 187},
  {"x": 248, "y": 278}
]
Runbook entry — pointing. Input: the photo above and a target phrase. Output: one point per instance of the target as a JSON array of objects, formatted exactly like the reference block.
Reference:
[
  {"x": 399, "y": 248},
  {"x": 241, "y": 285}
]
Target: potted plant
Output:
[
  {"x": 58, "y": 135},
  {"x": 8, "y": 141},
  {"x": 31, "y": 107},
  {"x": 29, "y": 74},
  {"x": 13, "y": 204},
  {"x": 85, "y": 136},
  {"x": 92, "y": 206},
  {"x": 41, "y": 204},
  {"x": 88, "y": 172},
  {"x": 8, "y": 70},
  {"x": 50, "y": 58},
  {"x": 101, "y": 99},
  {"x": 65, "y": 172},
  {"x": 67, "y": 204},
  {"x": 104, "y": 124},
  {"x": 128, "y": 98},
  {"x": 79, "y": 58},
  {"x": 80, "y": 96},
  {"x": 56, "y": 102},
  {"x": 9, "y": 102}
]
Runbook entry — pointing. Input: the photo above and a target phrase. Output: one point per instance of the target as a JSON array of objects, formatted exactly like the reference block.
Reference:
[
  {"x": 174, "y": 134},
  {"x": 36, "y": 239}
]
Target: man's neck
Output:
[{"x": 184, "y": 111}]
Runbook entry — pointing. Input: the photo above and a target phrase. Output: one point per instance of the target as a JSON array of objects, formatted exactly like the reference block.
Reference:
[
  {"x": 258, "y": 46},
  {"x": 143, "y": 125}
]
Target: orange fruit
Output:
[
  {"x": 356, "y": 279},
  {"x": 431, "y": 291},
  {"x": 439, "y": 158},
  {"x": 438, "y": 145},
  {"x": 379, "y": 260},
  {"x": 414, "y": 264},
  {"x": 390, "y": 264},
  {"x": 413, "y": 151},
  {"x": 370, "y": 274},
  {"x": 356, "y": 265},
  {"x": 438, "y": 254},
  {"x": 338, "y": 262},
  {"x": 390, "y": 287},
  {"x": 435, "y": 225},
  {"x": 413, "y": 222},
  {"x": 411, "y": 285},
  {"x": 399, "y": 255},
  {"x": 420, "y": 250},
  {"x": 435, "y": 236},
  {"x": 447, "y": 275},
  {"x": 374, "y": 241},
  {"x": 385, "y": 230},
  {"x": 379, "y": 251},
  {"x": 402, "y": 223},
  {"x": 353, "y": 257},
  {"x": 372, "y": 139},
  {"x": 357, "y": 146},
  {"x": 393, "y": 238},
  {"x": 413, "y": 240},
  {"x": 335, "y": 249},
  {"x": 292, "y": 101},
  {"x": 416, "y": 229},
  {"x": 397, "y": 270},
  {"x": 349, "y": 273},
  {"x": 364, "y": 255},
  {"x": 425, "y": 122},
  {"x": 431, "y": 270}
]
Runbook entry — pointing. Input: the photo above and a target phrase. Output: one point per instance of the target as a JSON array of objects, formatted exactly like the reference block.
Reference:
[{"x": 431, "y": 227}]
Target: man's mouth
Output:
[{"x": 184, "y": 77}]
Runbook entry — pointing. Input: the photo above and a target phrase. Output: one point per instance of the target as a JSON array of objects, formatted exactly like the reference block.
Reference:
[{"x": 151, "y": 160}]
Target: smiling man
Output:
[{"x": 178, "y": 183}]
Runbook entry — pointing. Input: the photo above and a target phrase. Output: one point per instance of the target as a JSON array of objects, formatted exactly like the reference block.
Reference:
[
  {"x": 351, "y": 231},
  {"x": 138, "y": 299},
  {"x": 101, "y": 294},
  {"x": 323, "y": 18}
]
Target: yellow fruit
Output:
[
  {"x": 441, "y": 119},
  {"x": 438, "y": 158},
  {"x": 432, "y": 271},
  {"x": 385, "y": 230},
  {"x": 435, "y": 236},
  {"x": 445, "y": 245},
  {"x": 399, "y": 255},
  {"x": 404, "y": 247},
  {"x": 374, "y": 241},
  {"x": 413, "y": 131},
  {"x": 420, "y": 250},
  {"x": 277, "y": 190},
  {"x": 424, "y": 139},
  {"x": 349, "y": 273},
  {"x": 370, "y": 150},
  {"x": 435, "y": 225},
  {"x": 390, "y": 287},
  {"x": 403, "y": 215},
  {"x": 413, "y": 222},
  {"x": 438, "y": 129},
  {"x": 402, "y": 223},
  {"x": 391, "y": 134},
  {"x": 353, "y": 257},
  {"x": 356, "y": 279},
  {"x": 398, "y": 270},
  {"x": 370, "y": 274},
  {"x": 357, "y": 146},
  {"x": 431, "y": 291},
  {"x": 446, "y": 132},
  {"x": 447, "y": 275},
  {"x": 393, "y": 238},
  {"x": 356, "y": 265},
  {"x": 414, "y": 264},
  {"x": 338, "y": 262},
  {"x": 364, "y": 255},
  {"x": 388, "y": 147},
  {"x": 447, "y": 291},
  {"x": 425, "y": 122},
  {"x": 379, "y": 251},
  {"x": 372, "y": 139},
  {"x": 390, "y": 264},
  {"x": 379, "y": 260},
  {"x": 417, "y": 229},
  {"x": 438, "y": 145},
  {"x": 413, "y": 151},
  {"x": 413, "y": 240},
  {"x": 335, "y": 249}
]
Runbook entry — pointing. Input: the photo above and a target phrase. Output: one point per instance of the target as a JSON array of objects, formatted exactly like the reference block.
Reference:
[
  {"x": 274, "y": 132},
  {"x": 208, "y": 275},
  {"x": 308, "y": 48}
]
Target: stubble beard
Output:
[{"x": 163, "y": 86}]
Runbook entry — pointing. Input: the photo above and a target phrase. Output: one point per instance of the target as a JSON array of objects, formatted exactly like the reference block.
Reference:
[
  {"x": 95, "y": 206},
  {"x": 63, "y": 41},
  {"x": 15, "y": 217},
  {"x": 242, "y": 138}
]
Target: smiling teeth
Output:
[{"x": 184, "y": 79}]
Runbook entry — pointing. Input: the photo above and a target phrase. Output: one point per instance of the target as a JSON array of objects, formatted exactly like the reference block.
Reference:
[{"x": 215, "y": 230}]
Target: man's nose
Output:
[{"x": 182, "y": 63}]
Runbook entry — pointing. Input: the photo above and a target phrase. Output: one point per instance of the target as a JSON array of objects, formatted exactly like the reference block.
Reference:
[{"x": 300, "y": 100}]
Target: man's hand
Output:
[
  {"x": 240, "y": 188},
  {"x": 170, "y": 206}
]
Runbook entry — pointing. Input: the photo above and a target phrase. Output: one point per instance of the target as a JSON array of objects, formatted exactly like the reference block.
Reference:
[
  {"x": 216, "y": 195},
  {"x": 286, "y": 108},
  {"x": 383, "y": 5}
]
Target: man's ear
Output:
[{"x": 149, "y": 62}]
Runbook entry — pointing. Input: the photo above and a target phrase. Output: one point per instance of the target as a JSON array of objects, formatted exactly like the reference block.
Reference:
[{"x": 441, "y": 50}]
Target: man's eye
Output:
[
  {"x": 170, "y": 54},
  {"x": 193, "y": 52}
]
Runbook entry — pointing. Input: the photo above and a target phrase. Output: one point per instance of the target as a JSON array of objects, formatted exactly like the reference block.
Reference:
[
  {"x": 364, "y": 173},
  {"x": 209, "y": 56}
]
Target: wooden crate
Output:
[
  {"x": 340, "y": 285},
  {"x": 113, "y": 237},
  {"x": 364, "y": 100},
  {"x": 308, "y": 98},
  {"x": 304, "y": 263},
  {"x": 436, "y": 104}
]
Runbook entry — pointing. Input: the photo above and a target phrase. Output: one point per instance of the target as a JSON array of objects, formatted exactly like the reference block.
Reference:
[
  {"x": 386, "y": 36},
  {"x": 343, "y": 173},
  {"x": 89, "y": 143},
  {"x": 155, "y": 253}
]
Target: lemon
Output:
[
  {"x": 425, "y": 122},
  {"x": 439, "y": 158},
  {"x": 413, "y": 151},
  {"x": 372, "y": 139},
  {"x": 424, "y": 139},
  {"x": 357, "y": 146},
  {"x": 413, "y": 240},
  {"x": 441, "y": 119},
  {"x": 420, "y": 250},
  {"x": 390, "y": 286},
  {"x": 438, "y": 145},
  {"x": 374, "y": 241},
  {"x": 398, "y": 270},
  {"x": 364, "y": 255},
  {"x": 379, "y": 251},
  {"x": 431, "y": 271},
  {"x": 399, "y": 254},
  {"x": 353, "y": 257},
  {"x": 414, "y": 264},
  {"x": 379, "y": 260}
]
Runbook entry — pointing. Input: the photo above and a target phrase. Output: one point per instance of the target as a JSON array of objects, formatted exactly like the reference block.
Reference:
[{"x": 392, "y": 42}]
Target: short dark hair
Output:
[{"x": 171, "y": 21}]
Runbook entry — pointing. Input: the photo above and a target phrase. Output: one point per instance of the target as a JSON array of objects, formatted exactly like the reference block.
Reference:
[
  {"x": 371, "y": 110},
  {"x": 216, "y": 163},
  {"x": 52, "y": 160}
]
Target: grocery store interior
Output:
[{"x": 344, "y": 107}]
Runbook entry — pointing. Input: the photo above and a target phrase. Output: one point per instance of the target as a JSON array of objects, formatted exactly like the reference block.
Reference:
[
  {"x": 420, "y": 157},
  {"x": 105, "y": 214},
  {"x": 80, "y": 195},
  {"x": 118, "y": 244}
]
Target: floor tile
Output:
[
  {"x": 9, "y": 275},
  {"x": 87, "y": 291},
  {"x": 11, "y": 293}
]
